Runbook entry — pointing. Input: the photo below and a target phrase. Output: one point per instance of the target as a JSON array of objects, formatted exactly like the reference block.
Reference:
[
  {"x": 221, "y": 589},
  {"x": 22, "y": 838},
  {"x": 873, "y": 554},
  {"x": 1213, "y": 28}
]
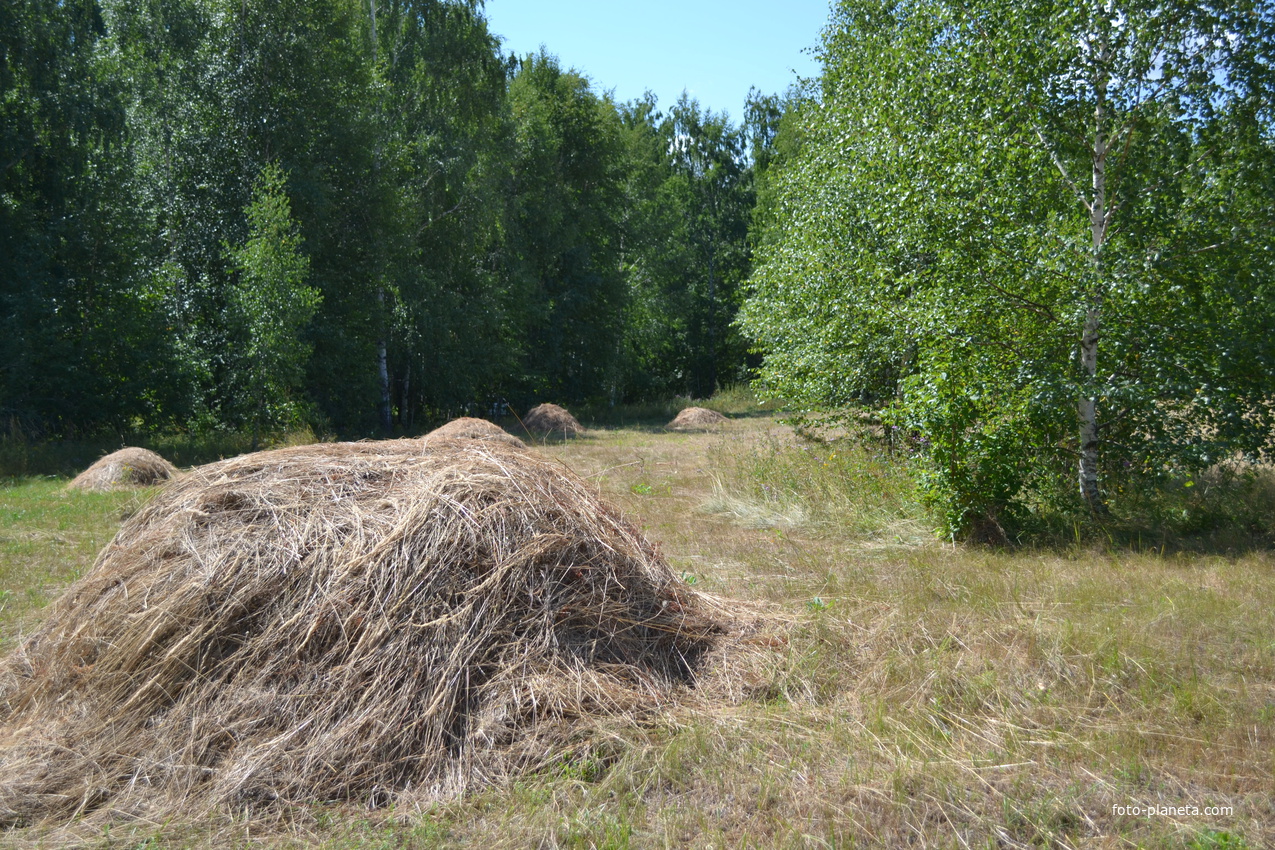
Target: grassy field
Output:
[{"x": 915, "y": 693}]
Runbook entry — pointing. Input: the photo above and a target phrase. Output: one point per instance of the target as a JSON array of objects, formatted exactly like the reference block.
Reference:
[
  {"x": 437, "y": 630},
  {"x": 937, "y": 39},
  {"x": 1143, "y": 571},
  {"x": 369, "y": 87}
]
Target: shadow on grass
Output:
[
  {"x": 1139, "y": 537},
  {"x": 1226, "y": 511}
]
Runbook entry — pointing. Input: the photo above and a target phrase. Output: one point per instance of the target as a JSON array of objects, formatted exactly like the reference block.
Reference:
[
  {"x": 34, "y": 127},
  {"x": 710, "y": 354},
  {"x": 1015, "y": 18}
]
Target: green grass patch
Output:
[
  {"x": 855, "y": 487},
  {"x": 49, "y": 536}
]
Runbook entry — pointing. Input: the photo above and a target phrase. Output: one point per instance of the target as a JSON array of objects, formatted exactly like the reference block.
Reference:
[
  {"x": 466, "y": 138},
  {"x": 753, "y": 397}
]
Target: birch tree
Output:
[
  {"x": 1039, "y": 234},
  {"x": 1118, "y": 82},
  {"x": 270, "y": 305}
]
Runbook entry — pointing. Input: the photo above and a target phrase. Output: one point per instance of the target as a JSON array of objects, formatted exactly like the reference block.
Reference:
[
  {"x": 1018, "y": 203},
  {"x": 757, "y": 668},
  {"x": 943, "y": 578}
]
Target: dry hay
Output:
[
  {"x": 551, "y": 419},
  {"x": 469, "y": 428},
  {"x": 369, "y": 622},
  {"x": 696, "y": 419},
  {"x": 129, "y": 467}
]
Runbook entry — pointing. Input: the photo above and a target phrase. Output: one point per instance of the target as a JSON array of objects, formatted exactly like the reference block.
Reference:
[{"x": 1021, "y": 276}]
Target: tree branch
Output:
[
  {"x": 21, "y": 156},
  {"x": 1039, "y": 309},
  {"x": 1062, "y": 169},
  {"x": 436, "y": 218}
]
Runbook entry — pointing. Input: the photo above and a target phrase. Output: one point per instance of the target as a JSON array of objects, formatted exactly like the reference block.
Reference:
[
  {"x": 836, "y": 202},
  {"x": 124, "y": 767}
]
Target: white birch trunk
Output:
[
  {"x": 384, "y": 408},
  {"x": 1087, "y": 406},
  {"x": 1088, "y": 412}
]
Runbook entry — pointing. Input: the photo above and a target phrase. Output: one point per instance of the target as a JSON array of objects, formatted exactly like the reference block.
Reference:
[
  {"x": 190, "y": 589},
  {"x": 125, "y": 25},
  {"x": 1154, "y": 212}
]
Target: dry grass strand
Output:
[
  {"x": 469, "y": 428},
  {"x": 697, "y": 419}
]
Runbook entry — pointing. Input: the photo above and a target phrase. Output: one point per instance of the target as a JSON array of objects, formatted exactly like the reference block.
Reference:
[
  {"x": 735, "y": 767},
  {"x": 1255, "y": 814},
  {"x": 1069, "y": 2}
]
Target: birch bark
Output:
[
  {"x": 385, "y": 409},
  {"x": 1087, "y": 407}
]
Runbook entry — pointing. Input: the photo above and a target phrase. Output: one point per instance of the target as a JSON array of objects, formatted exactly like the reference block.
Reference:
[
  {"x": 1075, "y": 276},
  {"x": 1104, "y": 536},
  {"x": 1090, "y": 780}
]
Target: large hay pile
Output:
[
  {"x": 697, "y": 419},
  {"x": 129, "y": 467},
  {"x": 469, "y": 428},
  {"x": 550, "y": 419},
  {"x": 370, "y": 622}
]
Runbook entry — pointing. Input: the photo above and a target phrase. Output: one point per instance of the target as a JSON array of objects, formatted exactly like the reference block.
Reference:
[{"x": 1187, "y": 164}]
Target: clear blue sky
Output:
[{"x": 714, "y": 49}]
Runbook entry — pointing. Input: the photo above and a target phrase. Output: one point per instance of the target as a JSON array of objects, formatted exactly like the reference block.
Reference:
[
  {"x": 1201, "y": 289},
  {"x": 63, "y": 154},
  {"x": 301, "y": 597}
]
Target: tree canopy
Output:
[
  {"x": 1036, "y": 236},
  {"x": 269, "y": 305},
  {"x": 473, "y": 225}
]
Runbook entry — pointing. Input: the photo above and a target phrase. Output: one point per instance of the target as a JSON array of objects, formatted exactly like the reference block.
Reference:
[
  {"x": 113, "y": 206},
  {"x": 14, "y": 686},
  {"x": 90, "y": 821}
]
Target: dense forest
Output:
[{"x": 365, "y": 215}]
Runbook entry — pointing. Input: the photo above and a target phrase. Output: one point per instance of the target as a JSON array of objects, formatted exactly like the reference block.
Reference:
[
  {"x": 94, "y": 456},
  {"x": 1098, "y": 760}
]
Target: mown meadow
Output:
[{"x": 1098, "y": 692}]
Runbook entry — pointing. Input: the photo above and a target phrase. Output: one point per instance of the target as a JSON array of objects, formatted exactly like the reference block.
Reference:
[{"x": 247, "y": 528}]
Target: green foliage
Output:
[
  {"x": 1217, "y": 839},
  {"x": 443, "y": 159},
  {"x": 990, "y": 215},
  {"x": 216, "y": 91},
  {"x": 270, "y": 305},
  {"x": 77, "y": 330},
  {"x": 1227, "y": 507},
  {"x": 568, "y": 181},
  {"x": 974, "y": 457},
  {"x": 476, "y": 226},
  {"x": 712, "y": 189},
  {"x": 655, "y": 341},
  {"x": 686, "y": 249}
]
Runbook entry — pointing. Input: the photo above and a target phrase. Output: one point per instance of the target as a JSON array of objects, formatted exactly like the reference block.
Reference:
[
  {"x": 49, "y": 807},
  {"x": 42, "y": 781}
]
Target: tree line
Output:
[
  {"x": 362, "y": 213},
  {"x": 1031, "y": 244}
]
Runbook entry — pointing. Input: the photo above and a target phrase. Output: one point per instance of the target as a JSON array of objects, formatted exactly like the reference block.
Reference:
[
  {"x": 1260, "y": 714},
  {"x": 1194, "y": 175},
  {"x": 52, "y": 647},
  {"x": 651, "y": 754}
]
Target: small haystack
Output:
[
  {"x": 550, "y": 419},
  {"x": 129, "y": 467},
  {"x": 697, "y": 419},
  {"x": 368, "y": 622},
  {"x": 469, "y": 428}
]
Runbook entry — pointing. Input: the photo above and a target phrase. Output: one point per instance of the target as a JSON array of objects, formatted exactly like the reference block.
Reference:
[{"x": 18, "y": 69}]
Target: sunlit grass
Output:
[
  {"x": 918, "y": 693},
  {"x": 850, "y": 487},
  {"x": 48, "y": 537}
]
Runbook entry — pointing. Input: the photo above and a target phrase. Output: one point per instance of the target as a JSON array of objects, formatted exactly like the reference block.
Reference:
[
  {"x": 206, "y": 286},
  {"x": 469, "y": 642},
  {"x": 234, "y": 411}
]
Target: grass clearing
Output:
[
  {"x": 48, "y": 537},
  {"x": 926, "y": 694}
]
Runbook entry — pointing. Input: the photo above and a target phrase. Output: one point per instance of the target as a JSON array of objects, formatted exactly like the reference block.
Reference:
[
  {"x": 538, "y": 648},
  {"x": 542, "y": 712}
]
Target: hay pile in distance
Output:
[
  {"x": 367, "y": 622},
  {"x": 128, "y": 467},
  {"x": 469, "y": 428},
  {"x": 696, "y": 419},
  {"x": 550, "y": 419}
]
